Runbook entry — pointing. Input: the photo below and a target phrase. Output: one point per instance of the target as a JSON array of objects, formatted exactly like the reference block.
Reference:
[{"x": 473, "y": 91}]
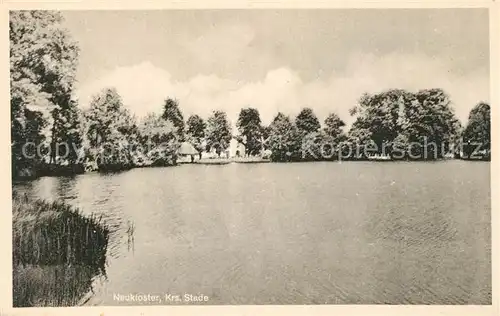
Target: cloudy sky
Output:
[{"x": 280, "y": 60}]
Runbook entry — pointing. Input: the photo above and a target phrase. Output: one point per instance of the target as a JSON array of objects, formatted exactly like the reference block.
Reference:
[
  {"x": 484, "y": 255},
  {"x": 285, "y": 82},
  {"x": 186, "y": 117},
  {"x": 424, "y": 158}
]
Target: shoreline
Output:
[{"x": 219, "y": 162}]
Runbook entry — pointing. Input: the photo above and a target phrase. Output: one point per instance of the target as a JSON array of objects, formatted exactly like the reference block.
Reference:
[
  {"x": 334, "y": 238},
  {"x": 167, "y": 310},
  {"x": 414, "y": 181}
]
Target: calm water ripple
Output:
[{"x": 305, "y": 233}]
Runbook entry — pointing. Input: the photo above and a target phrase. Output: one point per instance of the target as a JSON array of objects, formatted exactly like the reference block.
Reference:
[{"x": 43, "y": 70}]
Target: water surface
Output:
[{"x": 299, "y": 233}]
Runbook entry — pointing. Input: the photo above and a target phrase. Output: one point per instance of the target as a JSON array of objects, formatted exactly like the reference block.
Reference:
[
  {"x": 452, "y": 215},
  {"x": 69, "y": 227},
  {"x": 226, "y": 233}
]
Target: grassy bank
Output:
[{"x": 56, "y": 252}]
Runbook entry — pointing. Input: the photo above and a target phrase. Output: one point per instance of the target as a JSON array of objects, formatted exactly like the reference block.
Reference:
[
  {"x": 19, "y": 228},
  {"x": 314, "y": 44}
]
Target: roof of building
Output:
[{"x": 187, "y": 148}]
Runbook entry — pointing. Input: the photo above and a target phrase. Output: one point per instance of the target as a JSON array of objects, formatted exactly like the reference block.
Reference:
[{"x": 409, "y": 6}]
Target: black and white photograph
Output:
[{"x": 259, "y": 156}]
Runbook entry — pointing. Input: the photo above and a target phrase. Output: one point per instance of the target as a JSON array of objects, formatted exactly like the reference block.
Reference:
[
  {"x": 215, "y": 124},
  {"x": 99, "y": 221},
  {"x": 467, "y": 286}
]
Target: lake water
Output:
[{"x": 299, "y": 233}]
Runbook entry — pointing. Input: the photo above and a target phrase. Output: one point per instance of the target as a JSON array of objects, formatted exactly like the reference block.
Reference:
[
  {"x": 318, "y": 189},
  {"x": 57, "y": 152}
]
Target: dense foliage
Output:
[
  {"x": 157, "y": 142},
  {"x": 219, "y": 132},
  {"x": 250, "y": 131},
  {"x": 43, "y": 61},
  {"x": 307, "y": 122},
  {"x": 50, "y": 133},
  {"x": 333, "y": 127},
  {"x": 172, "y": 113},
  {"x": 392, "y": 120},
  {"x": 477, "y": 133},
  {"x": 284, "y": 139},
  {"x": 111, "y": 131},
  {"x": 195, "y": 132}
]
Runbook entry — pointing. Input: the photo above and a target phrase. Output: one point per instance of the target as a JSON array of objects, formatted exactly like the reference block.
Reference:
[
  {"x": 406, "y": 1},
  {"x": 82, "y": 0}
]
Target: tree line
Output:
[{"x": 44, "y": 114}]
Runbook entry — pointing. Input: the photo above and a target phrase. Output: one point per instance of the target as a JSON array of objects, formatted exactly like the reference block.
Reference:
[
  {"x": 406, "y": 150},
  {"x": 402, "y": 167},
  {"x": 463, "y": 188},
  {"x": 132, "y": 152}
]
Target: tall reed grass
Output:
[{"x": 56, "y": 252}]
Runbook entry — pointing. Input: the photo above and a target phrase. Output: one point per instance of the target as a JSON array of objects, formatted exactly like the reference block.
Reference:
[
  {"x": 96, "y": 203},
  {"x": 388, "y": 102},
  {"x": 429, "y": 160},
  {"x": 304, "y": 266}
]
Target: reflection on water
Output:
[{"x": 308, "y": 233}]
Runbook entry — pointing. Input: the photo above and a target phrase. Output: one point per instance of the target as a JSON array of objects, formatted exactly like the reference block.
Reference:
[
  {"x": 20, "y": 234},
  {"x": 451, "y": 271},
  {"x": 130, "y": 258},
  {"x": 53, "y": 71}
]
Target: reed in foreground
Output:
[{"x": 56, "y": 252}]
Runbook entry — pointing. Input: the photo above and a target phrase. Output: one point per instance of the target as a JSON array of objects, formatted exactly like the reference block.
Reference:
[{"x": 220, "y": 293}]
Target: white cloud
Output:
[{"x": 145, "y": 86}]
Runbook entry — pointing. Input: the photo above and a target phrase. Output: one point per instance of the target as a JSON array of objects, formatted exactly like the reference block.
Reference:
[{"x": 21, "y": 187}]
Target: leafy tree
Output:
[
  {"x": 172, "y": 113},
  {"x": 43, "y": 61},
  {"x": 358, "y": 138},
  {"x": 66, "y": 134},
  {"x": 196, "y": 132},
  {"x": 307, "y": 122},
  {"x": 250, "y": 131},
  {"x": 111, "y": 131},
  {"x": 332, "y": 136},
  {"x": 284, "y": 139},
  {"x": 424, "y": 119},
  {"x": 377, "y": 116},
  {"x": 333, "y": 126},
  {"x": 477, "y": 133},
  {"x": 432, "y": 122},
  {"x": 158, "y": 140},
  {"x": 218, "y": 132}
]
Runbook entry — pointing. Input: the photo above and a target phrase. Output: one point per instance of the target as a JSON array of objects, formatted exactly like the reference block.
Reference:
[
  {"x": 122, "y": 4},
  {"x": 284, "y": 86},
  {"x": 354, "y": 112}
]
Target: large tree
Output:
[
  {"x": 218, "y": 132},
  {"x": 333, "y": 126},
  {"x": 67, "y": 140},
  {"x": 432, "y": 122},
  {"x": 307, "y": 122},
  {"x": 195, "y": 132},
  {"x": 477, "y": 133},
  {"x": 284, "y": 139},
  {"x": 158, "y": 140},
  {"x": 43, "y": 60},
  {"x": 378, "y": 118},
  {"x": 326, "y": 143},
  {"x": 425, "y": 119},
  {"x": 111, "y": 131},
  {"x": 172, "y": 113},
  {"x": 250, "y": 130},
  {"x": 333, "y": 135}
]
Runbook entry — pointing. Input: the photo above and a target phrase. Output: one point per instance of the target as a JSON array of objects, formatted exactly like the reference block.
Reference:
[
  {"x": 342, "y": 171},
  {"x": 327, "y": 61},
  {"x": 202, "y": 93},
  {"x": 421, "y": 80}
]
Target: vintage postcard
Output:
[{"x": 249, "y": 158}]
